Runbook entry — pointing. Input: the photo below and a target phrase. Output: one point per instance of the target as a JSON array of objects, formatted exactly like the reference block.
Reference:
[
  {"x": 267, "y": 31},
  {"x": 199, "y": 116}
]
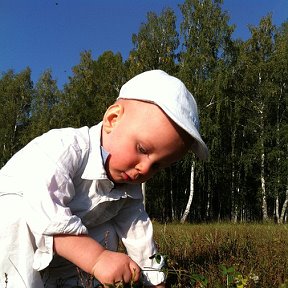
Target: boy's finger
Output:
[{"x": 135, "y": 271}]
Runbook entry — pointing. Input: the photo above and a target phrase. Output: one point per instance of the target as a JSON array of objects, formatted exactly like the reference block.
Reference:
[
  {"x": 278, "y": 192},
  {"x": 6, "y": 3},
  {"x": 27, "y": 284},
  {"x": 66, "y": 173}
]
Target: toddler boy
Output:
[{"x": 68, "y": 196}]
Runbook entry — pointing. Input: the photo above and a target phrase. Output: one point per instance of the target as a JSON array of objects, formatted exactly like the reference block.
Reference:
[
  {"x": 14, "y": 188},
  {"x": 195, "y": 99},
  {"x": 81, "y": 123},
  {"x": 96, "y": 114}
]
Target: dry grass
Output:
[{"x": 253, "y": 250}]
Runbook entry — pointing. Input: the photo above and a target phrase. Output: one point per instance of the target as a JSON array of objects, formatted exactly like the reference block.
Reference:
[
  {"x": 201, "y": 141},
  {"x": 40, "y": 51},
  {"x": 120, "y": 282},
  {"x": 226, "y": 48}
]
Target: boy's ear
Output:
[{"x": 112, "y": 116}]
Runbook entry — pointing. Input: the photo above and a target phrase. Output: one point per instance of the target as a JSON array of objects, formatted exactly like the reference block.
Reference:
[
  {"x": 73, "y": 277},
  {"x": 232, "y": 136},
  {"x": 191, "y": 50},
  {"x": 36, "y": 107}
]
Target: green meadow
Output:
[{"x": 224, "y": 254}]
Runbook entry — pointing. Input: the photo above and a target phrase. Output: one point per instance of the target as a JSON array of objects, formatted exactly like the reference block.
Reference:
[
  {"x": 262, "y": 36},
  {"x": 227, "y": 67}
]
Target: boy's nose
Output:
[{"x": 144, "y": 167}]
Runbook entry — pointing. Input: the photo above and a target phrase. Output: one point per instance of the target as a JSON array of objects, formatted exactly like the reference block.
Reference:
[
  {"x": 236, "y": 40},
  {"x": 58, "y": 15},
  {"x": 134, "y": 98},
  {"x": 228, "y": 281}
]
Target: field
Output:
[
  {"x": 224, "y": 254},
  {"x": 221, "y": 255}
]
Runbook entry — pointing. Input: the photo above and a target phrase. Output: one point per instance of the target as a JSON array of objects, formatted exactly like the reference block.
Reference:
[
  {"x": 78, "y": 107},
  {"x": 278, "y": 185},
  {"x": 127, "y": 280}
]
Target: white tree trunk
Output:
[
  {"x": 262, "y": 176},
  {"x": 262, "y": 162},
  {"x": 263, "y": 189},
  {"x": 284, "y": 207},
  {"x": 277, "y": 209},
  {"x": 191, "y": 194}
]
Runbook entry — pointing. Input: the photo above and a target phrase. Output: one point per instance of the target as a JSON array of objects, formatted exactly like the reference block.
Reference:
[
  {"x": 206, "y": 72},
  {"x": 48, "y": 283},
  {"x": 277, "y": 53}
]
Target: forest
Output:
[{"x": 241, "y": 87}]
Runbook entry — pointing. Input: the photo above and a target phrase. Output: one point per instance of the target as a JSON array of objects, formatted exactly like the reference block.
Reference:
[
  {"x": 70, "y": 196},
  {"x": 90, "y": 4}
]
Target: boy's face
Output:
[{"x": 140, "y": 139}]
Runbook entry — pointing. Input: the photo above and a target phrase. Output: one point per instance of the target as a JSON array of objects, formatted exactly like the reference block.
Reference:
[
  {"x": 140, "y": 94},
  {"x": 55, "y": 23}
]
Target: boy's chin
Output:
[
  {"x": 122, "y": 179},
  {"x": 130, "y": 181}
]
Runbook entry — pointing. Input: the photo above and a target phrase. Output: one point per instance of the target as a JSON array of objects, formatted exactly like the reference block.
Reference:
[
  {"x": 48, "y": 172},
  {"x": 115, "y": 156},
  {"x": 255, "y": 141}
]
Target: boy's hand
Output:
[
  {"x": 107, "y": 266},
  {"x": 112, "y": 267}
]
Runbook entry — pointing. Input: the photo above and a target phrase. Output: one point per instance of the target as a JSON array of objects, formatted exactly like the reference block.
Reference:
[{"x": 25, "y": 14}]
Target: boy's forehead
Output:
[
  {"x": 144, "y": 108},
  {"x": 150, "y": 112},
  {"x": 173, "y": 97}
]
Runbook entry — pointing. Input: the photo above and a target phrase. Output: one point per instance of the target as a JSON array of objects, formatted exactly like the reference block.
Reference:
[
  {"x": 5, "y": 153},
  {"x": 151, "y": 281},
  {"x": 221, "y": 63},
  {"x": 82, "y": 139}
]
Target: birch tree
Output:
[
  {"x": 155, "y": 44},
  {"x": 15, "y": 97},
  {"x": 45, "y": 98},
  {"x": 278, "y": 124},
  {"x": 254, "y": 82},
  {"x": 93, "y": 86},
  {"x": 206, "y": 37},
  {"x": 259, "y": 49},
  {"x": 191, "y": 194}
]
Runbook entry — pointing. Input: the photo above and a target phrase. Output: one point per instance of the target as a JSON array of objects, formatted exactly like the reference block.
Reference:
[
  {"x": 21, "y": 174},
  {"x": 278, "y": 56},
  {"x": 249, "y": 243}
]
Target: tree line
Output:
[{"x": 241, "y": 88}]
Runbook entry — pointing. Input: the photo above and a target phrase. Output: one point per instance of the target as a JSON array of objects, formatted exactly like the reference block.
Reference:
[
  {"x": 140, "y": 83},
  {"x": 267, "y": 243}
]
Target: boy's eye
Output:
[{"x": 141, "y": 149}]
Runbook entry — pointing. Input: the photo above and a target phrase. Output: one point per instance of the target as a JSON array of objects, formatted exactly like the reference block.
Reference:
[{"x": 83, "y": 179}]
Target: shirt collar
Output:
[
  {"x": 104, "y": 155},
  {"x": 97, "y": 157}
]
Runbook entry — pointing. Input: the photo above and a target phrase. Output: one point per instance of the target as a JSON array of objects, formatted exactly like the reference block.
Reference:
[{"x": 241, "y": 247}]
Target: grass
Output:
[
  {"x": 224, "y": 254},
  {"x": 221, "y": 255}
]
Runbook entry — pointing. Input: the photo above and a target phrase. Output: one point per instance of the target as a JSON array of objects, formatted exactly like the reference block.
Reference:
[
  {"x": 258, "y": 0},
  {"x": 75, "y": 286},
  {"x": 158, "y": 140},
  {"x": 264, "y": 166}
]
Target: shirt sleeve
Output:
[
  {"x": 135, "y": 229},
  {"x": 44, "y": 171}
]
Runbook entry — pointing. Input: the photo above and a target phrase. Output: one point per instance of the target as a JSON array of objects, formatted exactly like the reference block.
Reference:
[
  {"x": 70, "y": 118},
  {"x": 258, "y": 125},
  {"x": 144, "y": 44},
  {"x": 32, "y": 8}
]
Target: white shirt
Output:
[{"x": 65, "y": 189}]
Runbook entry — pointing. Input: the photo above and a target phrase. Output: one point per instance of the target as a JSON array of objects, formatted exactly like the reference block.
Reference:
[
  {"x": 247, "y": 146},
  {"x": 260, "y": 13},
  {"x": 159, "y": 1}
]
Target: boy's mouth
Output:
[{"x": 126, "y": 177}]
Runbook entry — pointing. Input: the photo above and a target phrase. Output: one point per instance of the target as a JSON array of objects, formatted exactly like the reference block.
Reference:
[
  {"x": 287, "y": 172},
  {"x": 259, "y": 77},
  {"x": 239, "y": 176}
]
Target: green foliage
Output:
[
  {"x": 93, "y": 87},
  {"x": 156, "y": 43},
  {"x": 242, "y": 95},
  {"x": 43, "y": 116},
  {"x": 15, "y": 97}
]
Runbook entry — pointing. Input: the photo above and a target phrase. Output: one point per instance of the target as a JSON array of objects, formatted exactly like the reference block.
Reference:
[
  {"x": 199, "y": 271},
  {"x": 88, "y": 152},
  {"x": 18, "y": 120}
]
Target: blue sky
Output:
[{"x": 51, "y": 34}]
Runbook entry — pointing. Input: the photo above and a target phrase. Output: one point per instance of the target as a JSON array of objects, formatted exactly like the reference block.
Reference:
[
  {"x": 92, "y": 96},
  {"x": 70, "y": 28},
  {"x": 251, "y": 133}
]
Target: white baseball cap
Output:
[{"x": 172, "y": 96}]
